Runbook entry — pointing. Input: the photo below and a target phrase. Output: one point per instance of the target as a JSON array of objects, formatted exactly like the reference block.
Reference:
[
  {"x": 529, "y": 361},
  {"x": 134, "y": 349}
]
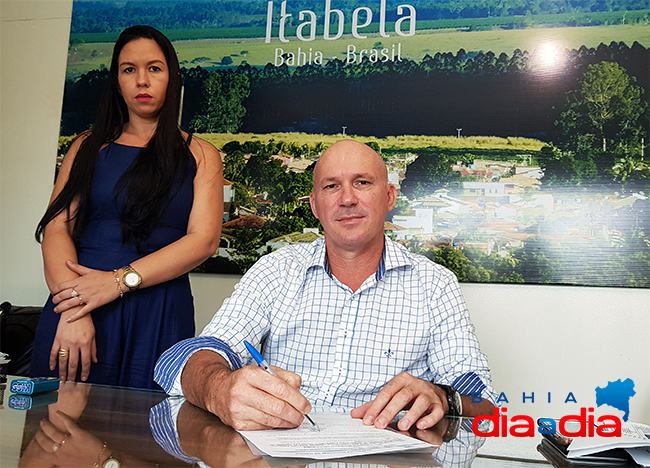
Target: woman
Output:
[{"x": 136, "y": 205}]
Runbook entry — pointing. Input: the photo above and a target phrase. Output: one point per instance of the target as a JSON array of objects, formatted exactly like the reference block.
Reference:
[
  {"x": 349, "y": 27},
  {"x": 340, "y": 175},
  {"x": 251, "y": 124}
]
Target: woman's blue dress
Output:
[{"x": 131, "y": 332}]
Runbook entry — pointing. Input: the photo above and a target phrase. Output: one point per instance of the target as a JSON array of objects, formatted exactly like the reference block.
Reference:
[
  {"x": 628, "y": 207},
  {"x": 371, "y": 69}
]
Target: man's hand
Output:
[
  {"x": 245, "y": 399},
  {"x": 433, "y": 435},
  {"x": 426, "y": 404},
  {"x": 204, "y": 436}
]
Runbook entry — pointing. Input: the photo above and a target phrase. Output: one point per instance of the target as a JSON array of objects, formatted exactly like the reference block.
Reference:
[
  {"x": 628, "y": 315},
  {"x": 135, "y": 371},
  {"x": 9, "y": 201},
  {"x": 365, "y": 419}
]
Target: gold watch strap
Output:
[{"x": 126, "y": 270}]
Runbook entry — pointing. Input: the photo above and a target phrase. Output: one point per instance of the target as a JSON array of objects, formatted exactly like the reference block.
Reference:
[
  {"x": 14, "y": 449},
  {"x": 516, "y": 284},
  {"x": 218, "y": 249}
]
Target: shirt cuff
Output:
[
  {"x": 162, "y": 421},
  {"x": 470, "y": 384},
  {"x": 170, "y": 365}
]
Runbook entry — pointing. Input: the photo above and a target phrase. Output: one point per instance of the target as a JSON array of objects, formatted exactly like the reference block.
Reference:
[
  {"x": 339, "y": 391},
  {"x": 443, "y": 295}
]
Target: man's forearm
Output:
[
  {"x": 200, "y": 373},
  {"x": 471, "y": 409}
]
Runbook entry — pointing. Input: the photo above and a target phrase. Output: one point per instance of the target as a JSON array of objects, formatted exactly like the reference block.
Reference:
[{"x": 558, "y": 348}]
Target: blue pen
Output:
[{"x": 265, "y": 365}]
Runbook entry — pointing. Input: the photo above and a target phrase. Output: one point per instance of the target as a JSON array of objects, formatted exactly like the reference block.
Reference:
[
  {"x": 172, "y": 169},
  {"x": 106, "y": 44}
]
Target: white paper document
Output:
[
  {"x": 640, "y": 455},
  {"x": 339, "y": 436},
  {"x": 632, "y": 435}
]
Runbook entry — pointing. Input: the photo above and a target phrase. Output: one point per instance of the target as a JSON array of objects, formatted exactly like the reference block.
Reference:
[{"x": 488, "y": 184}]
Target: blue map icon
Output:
[{"x": 617, "y": 394}]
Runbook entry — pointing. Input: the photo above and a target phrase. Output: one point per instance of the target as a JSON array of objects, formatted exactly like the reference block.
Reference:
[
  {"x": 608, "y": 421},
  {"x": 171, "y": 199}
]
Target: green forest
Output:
[{"x": 112, "y": 16}]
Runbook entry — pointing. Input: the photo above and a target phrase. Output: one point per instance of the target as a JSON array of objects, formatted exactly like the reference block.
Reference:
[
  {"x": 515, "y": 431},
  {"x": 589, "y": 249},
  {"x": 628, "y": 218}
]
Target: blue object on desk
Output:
[
  {"x": 26, "y": 402},
  {"x": 35, "y": 385},
  {"x": 265, "y": 365}
]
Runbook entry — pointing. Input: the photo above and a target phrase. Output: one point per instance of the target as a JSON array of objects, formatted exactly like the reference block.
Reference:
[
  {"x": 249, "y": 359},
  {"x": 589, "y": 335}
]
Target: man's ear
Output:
[
  {"x": 392, "y": 197},
  {"x": 312, "y": 204}
]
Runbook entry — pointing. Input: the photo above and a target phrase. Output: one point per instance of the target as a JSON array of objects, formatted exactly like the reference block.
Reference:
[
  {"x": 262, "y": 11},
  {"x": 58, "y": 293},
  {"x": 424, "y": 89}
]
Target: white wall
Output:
[
  {"x": 562, "y": 339},
  {"x": 33, "y": 50},
  {"x": 538, "y": 338}
]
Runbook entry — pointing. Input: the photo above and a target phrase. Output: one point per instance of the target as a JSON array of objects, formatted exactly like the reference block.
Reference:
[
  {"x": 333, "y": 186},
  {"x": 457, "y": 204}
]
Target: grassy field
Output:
[
  {"x": 391, "y": 142},
  {"x": 470, "y": 24},
  {"x": 403, "y": 141},
  {"x": 85, "y": 57}
]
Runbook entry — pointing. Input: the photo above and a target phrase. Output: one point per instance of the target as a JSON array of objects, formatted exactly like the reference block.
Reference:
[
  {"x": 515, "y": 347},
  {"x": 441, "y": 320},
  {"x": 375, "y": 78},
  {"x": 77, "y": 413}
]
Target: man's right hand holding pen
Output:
[
  {"x": 251, "y": 398},
  {"x": 261, "y": 362},
  {"x": 246, "y": 399}
]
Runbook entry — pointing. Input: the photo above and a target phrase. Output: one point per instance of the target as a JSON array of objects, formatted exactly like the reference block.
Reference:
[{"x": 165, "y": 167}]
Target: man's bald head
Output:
[
  {"x": 342, "y": 152},
  {"x": 351, "y": 197}
]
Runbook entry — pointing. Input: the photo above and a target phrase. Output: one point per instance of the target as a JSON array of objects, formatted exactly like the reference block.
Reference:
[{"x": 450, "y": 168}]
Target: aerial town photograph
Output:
[{"x": 516, "y": 133}]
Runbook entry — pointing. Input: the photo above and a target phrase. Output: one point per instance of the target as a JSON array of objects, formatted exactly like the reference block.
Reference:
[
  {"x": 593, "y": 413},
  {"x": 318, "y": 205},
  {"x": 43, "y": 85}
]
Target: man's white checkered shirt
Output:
[{"x": 346, "y": 345}]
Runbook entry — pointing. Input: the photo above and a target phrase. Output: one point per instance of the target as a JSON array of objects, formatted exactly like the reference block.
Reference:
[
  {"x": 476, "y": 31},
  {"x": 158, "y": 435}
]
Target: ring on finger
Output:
[
  {"x": 81, "y": 301},
  {"x": 74, "y": 293},
  {"x": 56, "y": 446},
  {"x": 63, "y": 352}
]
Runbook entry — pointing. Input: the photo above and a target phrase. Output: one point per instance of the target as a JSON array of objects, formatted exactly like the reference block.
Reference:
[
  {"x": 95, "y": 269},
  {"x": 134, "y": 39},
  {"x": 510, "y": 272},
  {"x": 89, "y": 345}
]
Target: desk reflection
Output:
[
  {"x": 198, "y": 437},
  {"x": 90, "y": 423},
  {"x": 87, "y": 424}
]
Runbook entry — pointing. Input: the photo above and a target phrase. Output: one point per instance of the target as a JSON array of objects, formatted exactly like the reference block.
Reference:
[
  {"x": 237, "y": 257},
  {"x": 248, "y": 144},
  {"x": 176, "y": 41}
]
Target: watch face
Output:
[
  {"x": 131, "y": 279},
  {"x": 112, "y": 463},
  {"x": 459, "y": 403}
]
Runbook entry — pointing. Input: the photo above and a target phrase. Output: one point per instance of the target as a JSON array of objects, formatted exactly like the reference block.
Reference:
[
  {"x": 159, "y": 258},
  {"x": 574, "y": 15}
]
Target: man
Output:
[{"x": 352, "y": 320}]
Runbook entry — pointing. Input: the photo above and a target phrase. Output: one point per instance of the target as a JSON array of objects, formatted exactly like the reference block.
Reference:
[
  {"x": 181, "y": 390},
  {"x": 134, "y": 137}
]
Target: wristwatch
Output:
[
  {"x": 453, "y": 425},
  {"x": 131, "y": 278},
  {"x": 454, "y": 401},
  {"x": 112, "y": 462}
]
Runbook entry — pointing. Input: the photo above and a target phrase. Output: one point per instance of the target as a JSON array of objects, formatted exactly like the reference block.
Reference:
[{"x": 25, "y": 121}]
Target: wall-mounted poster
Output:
[{"x": 516, "y": 131}]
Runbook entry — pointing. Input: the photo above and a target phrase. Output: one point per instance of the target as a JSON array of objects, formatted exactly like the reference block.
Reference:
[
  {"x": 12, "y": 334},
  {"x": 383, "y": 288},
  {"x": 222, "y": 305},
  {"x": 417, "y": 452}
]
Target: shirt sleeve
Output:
[
  {"x": 243, "y": 316},
  {"x": 162, "y": 421},
  {"x": 455, "y": 357},
  {"x": 169, "y": 367},
  {"x": 461, "y": 451}
]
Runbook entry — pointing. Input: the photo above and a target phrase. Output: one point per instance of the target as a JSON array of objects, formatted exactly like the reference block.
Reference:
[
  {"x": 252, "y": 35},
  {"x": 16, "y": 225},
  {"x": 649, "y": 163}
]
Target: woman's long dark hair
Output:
[{"x": 149, "y": 180}]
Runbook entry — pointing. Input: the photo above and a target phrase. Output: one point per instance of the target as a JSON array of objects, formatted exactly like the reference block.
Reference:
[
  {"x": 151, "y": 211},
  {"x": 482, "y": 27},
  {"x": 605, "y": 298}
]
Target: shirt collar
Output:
[
  {"x": 319, "y": 257},
  {"x": 393, "y": 256}
]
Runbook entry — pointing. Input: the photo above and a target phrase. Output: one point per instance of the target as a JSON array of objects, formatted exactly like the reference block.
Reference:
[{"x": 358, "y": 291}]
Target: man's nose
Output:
[{"x": 348, "y": 196}]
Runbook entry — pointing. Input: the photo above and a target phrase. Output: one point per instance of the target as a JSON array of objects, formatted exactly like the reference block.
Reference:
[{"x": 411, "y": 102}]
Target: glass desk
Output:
[{"x": 146, "y": 428}]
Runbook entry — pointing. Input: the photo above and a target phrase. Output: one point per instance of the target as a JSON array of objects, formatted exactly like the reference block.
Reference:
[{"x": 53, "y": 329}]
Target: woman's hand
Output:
[
  {"x": 67, "y": 444},
  {"x": 78, "y": 339},
  {"x": 92, "y": 289},
  {"x": 73, "y": 397}
]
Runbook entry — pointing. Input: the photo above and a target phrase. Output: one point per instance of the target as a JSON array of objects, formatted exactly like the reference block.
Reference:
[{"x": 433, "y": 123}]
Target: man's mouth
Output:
[{"x": 349, "y": 217}]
